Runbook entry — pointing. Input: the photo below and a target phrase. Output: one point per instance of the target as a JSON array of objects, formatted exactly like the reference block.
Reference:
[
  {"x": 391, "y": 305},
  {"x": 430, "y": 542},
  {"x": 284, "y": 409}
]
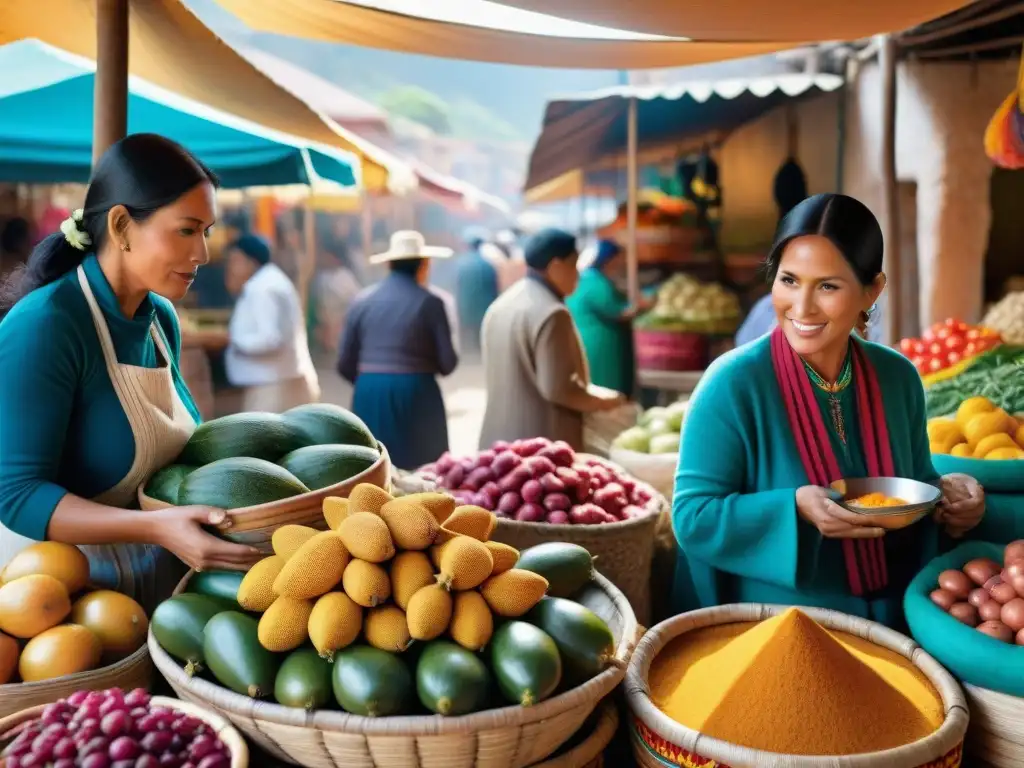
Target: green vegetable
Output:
[
  {"x": 319, "y": 466},
  {"x": 164, "y": 485},
  {"x": 329, "y": 424},
  {"x": 256, "y": 435},
  {"x": 583, "y": 639},
  {"x": 997, "y": 374},
  {"x": 236, "y": 658},
  {"x": 239, "y": 482},
  {"x": 178, "y": 623},
  {"x": 220, "y": 584},
  {"x": 371, "y": 682},
  {"x": 304, "y": 680},
  {"x": 567, "y": 567},
  {"x": 451, "y": 680},
  {"x": 525, "y": 662}
]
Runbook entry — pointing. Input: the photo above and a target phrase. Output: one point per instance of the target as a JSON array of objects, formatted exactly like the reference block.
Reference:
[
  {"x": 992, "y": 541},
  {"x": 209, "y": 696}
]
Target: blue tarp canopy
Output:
[{"x": 46, "y": 123}]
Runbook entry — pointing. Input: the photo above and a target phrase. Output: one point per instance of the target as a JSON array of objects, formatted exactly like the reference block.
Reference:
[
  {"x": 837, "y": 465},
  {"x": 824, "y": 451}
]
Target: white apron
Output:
[{"x": 161, "y": 425}]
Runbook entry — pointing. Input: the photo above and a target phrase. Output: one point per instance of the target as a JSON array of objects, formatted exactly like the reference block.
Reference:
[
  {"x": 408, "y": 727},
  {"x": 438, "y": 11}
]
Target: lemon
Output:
[
  {"x": 988, "y": 444},
  {"x": 970, "y": 408},
  {"x": 984, "y": 424}
]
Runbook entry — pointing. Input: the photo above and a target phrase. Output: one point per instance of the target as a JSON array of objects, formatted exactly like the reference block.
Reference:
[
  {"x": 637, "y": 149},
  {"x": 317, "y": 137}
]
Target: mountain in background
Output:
[{"x": 495, "y": 102}]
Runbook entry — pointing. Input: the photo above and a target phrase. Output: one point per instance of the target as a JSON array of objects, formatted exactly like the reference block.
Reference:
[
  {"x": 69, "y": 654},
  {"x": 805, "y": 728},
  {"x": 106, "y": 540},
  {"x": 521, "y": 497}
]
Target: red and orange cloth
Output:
[{"x": 1004, "y": 137}]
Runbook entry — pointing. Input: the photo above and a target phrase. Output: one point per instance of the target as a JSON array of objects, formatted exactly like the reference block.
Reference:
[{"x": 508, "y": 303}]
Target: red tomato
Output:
[
  {"x": 919, "y": 347},
  {"x": 971, "y": 349},
  {"x": 929, "y": 334},
  {"x": 936, "y": 364},
  {"x": 918, "y": 361},
  {"x": 953, "y": 322},
  {"x": 956, "y": 342},
  {"x": 972, "y": 334},
  {"x": 953, "y": 357},
  {"x": 907, "y": 346},
  {"x": 943, "y": 333},
  {"x": 936, "y": 348}
]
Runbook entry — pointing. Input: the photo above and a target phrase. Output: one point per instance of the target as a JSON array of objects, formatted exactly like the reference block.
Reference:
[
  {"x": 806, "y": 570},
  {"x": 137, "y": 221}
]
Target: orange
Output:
[
  {"x": 59, "y": 651},
  {"x": 32, "y": 604},
  {"x": 118, "y": 621},
  {"x": 64, "y": 562}
]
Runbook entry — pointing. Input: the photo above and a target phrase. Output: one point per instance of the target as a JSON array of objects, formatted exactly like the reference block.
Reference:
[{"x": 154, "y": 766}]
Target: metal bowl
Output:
[{"x": 921, "y": 499}]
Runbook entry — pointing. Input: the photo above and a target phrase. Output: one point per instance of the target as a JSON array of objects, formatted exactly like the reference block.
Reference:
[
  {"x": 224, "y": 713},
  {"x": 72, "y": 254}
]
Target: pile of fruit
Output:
[
  {"x": 1007, "y": 317},
  {"x": 538, "y": 481},
  {"x": 997, "y": 375},
  {"x": 686, "y": 304},
  {"x": 947, "y": 344},
  {"x": 657, "y": 431},
  {"x": 104, "y": 729},
  {"x": 45, "y": 600},
  {"x": 254, "y": 458},
  {"x": 402, "y": 599},
  {"x": 987, "y": 595},
  {"x": 979, "y": 430}
]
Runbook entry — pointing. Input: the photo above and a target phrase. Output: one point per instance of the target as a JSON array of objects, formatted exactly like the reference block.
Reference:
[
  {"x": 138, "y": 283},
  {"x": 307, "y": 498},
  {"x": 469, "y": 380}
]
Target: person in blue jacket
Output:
[
  {"x": 476, "y": 281},
  {"x": 773, "y": 422},
  {"x": 91, "y": 399}
]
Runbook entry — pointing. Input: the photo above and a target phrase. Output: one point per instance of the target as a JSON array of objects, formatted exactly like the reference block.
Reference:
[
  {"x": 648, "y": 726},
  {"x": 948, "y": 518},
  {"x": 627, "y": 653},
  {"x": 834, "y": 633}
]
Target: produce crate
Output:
[{"x": 659, "y": 350}]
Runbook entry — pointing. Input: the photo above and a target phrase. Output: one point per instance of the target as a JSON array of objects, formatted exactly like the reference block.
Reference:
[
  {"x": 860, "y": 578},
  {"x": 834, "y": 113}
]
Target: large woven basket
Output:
[
  {"x": 239, "y": 750},
  {"x": 255, "y": 525},
  {"x": 135, "y": 671},
  {"x": 659, "y": 741},
  {"x": 510, "y": 737},
  {"x": 996, "y": 735},
  {"x": 587, "y": 754}
]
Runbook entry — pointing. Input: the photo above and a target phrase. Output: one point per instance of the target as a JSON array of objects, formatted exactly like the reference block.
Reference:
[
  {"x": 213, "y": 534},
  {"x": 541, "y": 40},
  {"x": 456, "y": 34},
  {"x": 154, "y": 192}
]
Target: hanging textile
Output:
[{"x": 1004, "y": 137}]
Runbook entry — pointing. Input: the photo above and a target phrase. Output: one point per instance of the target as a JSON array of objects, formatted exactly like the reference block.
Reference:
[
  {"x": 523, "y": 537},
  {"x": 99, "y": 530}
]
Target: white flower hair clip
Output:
[{"x": 77, "y": 237}]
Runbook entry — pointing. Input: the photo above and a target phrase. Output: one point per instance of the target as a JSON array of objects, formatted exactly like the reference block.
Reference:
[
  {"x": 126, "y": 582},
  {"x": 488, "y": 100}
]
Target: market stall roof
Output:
[
  {"x": 170, "y": 47},
  {"x": 569, "y": 186},
  {"x": 46, "y": 98},
  {"x": 984, "y": 29},
  {"x": 583, "y": 130}
]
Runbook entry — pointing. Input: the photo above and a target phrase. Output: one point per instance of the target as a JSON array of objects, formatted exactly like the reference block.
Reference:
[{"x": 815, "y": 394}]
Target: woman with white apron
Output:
[{"x": 91, "y": 399}]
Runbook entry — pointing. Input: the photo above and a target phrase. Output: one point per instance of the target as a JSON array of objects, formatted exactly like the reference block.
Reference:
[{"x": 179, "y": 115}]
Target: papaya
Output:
[
  {"x": 220, "y": 584},
  {"x": 163, "y": 486},
  {"x": 177, "y": 625},
  {"x": 266, "y": 436},
  {"x": 321, "y": 466},
  {"x": 327, "y": 424},
  {"x": 584, "y": 641},
  {"x": 64, "y": 650},
  {"x": 452, "y": 681},
  {"x": 567, "y": 567},
  {"x": 235, "y": 657},
  {"x": 64, "y": 562},
  {"x": 118, "y": 621},
  {"x": 371, "y": 682},
  {"x": 303, "y": 681},
  {"x": 32, "y": 604},
  {"x": 525, "y": 662}
]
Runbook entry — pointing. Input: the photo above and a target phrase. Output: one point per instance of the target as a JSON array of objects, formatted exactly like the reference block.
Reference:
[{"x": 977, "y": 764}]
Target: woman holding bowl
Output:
[{"x": 774, "y": 422}]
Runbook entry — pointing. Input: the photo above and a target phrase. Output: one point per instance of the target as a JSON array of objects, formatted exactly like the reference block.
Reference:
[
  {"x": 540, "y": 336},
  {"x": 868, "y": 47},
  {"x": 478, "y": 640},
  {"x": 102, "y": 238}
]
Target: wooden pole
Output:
[
  {"x": 110, "y": 97},
  {"x": 632, "y": 182},
  {"x": 893, "y": 316}
]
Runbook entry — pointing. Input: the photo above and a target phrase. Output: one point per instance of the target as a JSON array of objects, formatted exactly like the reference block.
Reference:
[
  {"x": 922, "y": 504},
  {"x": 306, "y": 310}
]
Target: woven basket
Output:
[
  {"x": 659, "y": 741},
  {"x": 225, "y": 731},
  {"x": 135, "y": 671},
  {"x": 587, "y": 754},
  {"x": 255, "y": 525},
  {"x": 510, "y": 737},
  {"x": 996, "y": 735}
]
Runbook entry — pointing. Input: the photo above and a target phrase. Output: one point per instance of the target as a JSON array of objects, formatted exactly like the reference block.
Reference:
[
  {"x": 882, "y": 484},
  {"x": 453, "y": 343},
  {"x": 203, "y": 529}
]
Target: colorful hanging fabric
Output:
[{"x": 1004, "y": 137}]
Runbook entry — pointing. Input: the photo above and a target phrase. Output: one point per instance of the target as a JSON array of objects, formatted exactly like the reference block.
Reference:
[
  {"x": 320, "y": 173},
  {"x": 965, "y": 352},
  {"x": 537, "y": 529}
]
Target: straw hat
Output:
[{"x": 407, "y": 244}]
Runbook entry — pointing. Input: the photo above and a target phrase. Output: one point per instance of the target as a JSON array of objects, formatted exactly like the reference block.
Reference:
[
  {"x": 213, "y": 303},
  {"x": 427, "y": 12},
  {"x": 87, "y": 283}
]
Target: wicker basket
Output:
[
  {"x": 135, "y": 671},
  {"x": 996, "y": 736},
  {"x": 225, "y": 731},
  {"x": 255, "y": 525},
  {"x": 587, "y": 754},
  {"x": 510, "y": 737},
  {"x": 659, "y": 741}
]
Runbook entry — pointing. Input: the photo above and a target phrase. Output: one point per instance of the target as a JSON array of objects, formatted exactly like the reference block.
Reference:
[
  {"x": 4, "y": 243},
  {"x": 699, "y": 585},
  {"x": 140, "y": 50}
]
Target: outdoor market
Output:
[{"x": 688, "y": 433}]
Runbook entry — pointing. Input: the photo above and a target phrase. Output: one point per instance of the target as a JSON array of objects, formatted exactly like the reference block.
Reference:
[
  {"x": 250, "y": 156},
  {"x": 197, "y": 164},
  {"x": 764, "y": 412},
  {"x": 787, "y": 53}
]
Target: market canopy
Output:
[
  {"x": 46, "y": 116},
  {"x": 587, "y": 130},
  {"x": 170, "y": 47}
]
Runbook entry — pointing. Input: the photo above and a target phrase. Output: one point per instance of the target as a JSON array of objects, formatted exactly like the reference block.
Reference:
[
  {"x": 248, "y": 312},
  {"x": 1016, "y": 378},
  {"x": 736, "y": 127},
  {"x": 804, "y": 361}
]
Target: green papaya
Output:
[
  {"x": 371, "y": 682},
  {"x": 219, "y": 584},
  {"x": 178, "y": 623},
  {"x": 236, "y": 658},
  {"x": 567, "y": 567},
  {"x": 304, "y": 680},
  {"x": 451, "y": 680},
  {"x": 584, "y": 641},
  {"x": 525, "y": 663}
]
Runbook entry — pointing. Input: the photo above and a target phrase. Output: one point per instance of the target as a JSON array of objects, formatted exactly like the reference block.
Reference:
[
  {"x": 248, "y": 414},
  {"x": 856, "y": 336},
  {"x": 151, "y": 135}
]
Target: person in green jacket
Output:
[
  {"x": 772, "y": 423},
  {"x": 602, "y": 314}
]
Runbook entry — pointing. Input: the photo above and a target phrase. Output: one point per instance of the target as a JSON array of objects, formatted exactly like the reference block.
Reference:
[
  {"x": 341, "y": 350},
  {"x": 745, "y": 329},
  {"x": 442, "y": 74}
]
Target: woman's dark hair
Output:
[
  {"x": 845, "y": 221},
  {"x": 405, "y": 266},
  {"x": 143, "y": 172},
  {"x": 16, "y": 236}
]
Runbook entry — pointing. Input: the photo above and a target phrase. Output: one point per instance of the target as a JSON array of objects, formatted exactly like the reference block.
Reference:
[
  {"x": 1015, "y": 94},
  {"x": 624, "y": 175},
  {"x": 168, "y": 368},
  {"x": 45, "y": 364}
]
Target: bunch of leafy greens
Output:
[{"x": 997, "y": 375}]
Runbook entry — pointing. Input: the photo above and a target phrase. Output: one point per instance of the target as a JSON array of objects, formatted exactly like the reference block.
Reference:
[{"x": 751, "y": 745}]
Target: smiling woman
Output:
[
  {"x": 791, "y": 413},
  {"x": 90, "y": 392}
]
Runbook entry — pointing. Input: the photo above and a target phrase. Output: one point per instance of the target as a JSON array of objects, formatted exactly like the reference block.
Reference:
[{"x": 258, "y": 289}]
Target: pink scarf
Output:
[{"x": 866, "y": 568}]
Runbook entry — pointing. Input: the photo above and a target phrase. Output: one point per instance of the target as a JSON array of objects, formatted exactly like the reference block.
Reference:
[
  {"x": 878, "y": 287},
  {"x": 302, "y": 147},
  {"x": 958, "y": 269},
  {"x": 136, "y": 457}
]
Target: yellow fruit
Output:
[
  {"x": 465, "y": 564},
  {"x": 385, "y": 628},
  {"x": 284, "y": 625},
  {"x": 1014, "y": 425},
  {"x": 118, "y": 621},
  {"x": 469, "y": 520},
  {"x": 947, "y": 445},
  {"x": 1019, "y": 437},
  {"x": 8, "y": 658},
  {"x": 335, "y": 623},
  {"x": 988, "y": 444},
  {"x": 435, "y": 553},
  {"x": 985, "y": 424},
  {"x": 505, "y": 557},
  {"x": 963, "y": 450},
  {"x": 366, "y": 583},
  {"x": 1003, "y": 454},
  {"x": 940, "y": 430},
  {"x": 64, "y": 562},
  {"x": 410, "y": 572},
  {"x": 315, "y": 569},
  {"x": 430, "y": 612},
  {"x": 367, "y": 497},
  {"x": 32, "y": 604},
  {"x": 256, "y": 592},
  {"x": 440, "y": 505},
  {"x": 335, "y": 510},
  {"x": 970, "y": 408},
  {"x": 288, "y": 538},
  {"x": 514, "y": 592},
  {"x": 59, "y": 651},
  {"x": 367, "y": 537},
  {"x": 411, "y": 525},
  {"x": 472, "y": 623}
]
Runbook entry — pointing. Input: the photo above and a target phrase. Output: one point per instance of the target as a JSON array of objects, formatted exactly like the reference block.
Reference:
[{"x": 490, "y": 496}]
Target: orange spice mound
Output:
[
  {"x": 789, "y": 685},
  {"x": 877, "y": 499}
]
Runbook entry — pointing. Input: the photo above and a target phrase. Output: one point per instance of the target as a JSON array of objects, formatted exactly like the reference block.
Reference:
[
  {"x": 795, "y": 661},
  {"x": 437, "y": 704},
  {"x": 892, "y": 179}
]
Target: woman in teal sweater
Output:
[
  {"x": 775, "y": 421},
  {"x": 91, "y": 399}
]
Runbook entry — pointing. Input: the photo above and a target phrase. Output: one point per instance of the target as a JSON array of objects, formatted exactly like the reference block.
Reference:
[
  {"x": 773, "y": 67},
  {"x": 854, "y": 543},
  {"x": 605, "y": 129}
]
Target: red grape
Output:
[
  {"x": 147, "y": 761},
  {"x": 203, "y": 746},
  {"x": 170, "y": 760},
  {"x": 95, "y": 745},
  {"x": 156, "y": 742},
  {"x": 116, "y": 723},
  {"x": 95, "y": 760},
  {"x": 124, "y": 748},
  {"x": 77, "y": 698}
]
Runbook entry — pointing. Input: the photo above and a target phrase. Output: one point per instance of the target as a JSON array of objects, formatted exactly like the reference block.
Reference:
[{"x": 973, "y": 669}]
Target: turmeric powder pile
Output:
[
  {"x": 877, "y": 499},
  {"x": 789, "y": 685}
]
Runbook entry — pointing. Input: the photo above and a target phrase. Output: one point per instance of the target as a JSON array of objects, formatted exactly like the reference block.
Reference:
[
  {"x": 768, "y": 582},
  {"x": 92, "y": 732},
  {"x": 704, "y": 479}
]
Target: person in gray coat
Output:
[{"x": 536, "y": 375}]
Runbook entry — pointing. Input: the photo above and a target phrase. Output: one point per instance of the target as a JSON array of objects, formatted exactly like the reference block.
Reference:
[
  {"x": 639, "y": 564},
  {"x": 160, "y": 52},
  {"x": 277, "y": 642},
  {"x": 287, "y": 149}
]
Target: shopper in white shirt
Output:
[{"x": 268, "y": 352}]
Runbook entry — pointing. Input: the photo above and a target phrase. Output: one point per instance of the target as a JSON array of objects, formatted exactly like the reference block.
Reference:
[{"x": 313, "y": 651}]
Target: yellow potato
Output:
[
  {"x": 1002, "y": 454},
  {"x": 988, "y": 444},
  {"x": 963, "y": 450}
]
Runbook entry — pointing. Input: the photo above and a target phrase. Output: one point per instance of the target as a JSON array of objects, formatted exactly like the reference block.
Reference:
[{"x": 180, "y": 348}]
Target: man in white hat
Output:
[{"x": 398, "y": 338}]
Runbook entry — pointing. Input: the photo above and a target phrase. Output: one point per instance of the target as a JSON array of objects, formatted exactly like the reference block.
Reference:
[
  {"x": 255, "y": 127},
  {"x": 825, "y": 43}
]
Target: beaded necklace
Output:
[{"x": 833, "y": 389}]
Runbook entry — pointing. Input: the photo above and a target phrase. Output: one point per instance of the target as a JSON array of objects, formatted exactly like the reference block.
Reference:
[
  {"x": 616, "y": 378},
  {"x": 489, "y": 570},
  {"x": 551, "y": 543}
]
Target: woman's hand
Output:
[
  {"x": 180, "y": 530},
  {"x": 814, "y": 504},
  {"x": 962, "y": 505}
]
